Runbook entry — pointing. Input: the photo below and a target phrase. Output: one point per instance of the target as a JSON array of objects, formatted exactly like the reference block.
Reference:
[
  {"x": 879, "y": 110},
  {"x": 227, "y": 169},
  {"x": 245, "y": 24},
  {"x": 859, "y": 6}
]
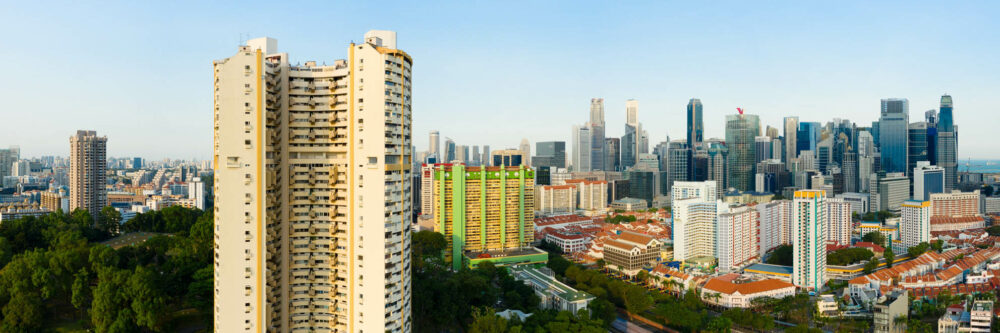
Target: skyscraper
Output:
[
  {"x": 597, "y": 134},
  {"x": 791, "y": 139},
  {"x": 695, "y": 126},
  {"x": 894, "y": 134},
  {"x": 87, "y": 174},
  {"x": 917, "y": 145},
  {"x": 525, "y": 149},
  {"x": 809, "y": 224},
  {"x": 581, "y": 148},
  {"x": 312, "y": 213},
  {"x": 612, "y": 154},
  {"x": 449, "y": 154},
  {"x": 741, "y": 129},
  {"x": 807, "y": 137},
  {"x": 549, "y": 153},
  {"x": 677, "y": 152},
  {"x": 947, "y": 144},
  {"x": 7, "y": 158},
  {"x": 435, "y": 144},
  {"x": 630, "y": 141},
  {"x": 762, "y": 148}
]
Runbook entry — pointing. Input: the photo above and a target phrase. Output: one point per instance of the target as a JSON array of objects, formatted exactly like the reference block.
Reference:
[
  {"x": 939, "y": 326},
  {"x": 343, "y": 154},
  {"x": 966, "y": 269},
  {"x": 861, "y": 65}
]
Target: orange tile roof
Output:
[
  {"x": 635, "y": 237},
  {"x": 620, "y": 245},
  {"x": 726, "y": 287},
  {"x": 948, "y": 219}
]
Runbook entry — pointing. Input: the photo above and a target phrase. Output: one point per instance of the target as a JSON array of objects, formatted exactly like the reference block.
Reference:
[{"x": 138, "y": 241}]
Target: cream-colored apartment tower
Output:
[
  {"x": 87, "y": 172},
  {"x": 312, "y": 190}
]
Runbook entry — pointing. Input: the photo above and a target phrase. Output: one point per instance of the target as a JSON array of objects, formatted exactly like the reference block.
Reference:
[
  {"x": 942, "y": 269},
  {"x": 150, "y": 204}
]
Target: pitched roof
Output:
[{"x": 722, "y": 286}]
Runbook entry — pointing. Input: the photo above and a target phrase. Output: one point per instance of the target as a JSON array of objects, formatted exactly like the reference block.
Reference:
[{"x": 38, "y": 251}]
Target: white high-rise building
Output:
[
  {"x": 915, "y": 222},
  {"x": 838, "y": 218},
  {"x": 809, "y": 239},
  {"x": 427, "y": 189},
  {"x": 927, "y": 179},
  {"x": 694, "y": 228},
  {"x": 435, "y": 144},
  {"x": 736, "y": 241},
  {"x": 312, "y": 188},
  {"x": 775, "y": 224},
  {"x": 196, "y": 191}
]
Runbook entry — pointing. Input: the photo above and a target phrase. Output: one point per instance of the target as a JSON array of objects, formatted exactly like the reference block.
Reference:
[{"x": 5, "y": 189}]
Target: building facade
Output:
[
  {"x": 809, "y": 239},
  {"x": 741, "y": 129},
  {"x": 88, "y": 172},
  {"x": 486, "y": 214},
  {"x": 305, "y": 177},
  {"x": 915, "y": 223},
  {"x": 737, "y": 240}
]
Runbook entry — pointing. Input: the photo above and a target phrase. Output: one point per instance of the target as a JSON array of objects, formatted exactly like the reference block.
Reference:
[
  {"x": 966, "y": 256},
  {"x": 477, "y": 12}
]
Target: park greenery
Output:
[
  {"x": 874, "y": 237},
  {"x": 56, "y": 275},
  {"x": 848, "y": 256},
  {"x": 781, "y": 255},
  {"x": 618, "y": 219},
  {"x": 879, "y": 216}
]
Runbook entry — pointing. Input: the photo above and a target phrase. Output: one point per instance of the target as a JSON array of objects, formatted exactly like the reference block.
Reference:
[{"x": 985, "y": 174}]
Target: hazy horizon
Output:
[{"x": 494, "y": 73}]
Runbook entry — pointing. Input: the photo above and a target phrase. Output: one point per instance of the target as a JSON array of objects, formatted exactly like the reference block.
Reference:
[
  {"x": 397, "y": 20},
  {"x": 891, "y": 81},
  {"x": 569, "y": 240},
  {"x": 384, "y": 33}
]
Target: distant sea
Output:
[{"x": 984, "y": 166}]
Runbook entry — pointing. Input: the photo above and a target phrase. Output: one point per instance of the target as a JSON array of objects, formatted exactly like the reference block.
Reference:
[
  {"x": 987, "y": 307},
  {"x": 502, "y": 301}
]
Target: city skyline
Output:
[{"x": 803, "y": 60}]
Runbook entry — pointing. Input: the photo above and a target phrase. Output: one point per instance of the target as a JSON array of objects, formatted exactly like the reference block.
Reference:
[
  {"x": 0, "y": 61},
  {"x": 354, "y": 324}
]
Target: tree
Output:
[
  {"x": 994, "y": 230},
  {"x": 637, "y": 300},
  {"x": 485, "y": 320},
  {"x": 918, "y": 249},
  {"x": 428, "y": 243},
  {"x": 889, "y": 257},
  {"x": 109, "y": 220},
  {"x": 642, "y": 276},
  {"x": 782, "y": 255},
  {"x": 937, "y": 245},
  {"x": 871, "y": 266},
  {"x": 874, "y": 237},
  {"x": 719, "y": 324}
]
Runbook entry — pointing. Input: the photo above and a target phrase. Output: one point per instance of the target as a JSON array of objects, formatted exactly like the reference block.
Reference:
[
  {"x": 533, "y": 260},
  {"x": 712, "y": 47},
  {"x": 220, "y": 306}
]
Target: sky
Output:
[{"x": 493, "y": 73}]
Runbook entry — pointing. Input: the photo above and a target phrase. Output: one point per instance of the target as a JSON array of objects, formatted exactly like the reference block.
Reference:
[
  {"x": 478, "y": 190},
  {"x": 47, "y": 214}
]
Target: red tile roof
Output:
[{"x": 726, "y": 287}]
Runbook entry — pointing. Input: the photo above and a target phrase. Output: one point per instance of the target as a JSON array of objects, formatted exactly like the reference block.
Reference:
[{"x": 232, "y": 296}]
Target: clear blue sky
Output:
[{"x": 494, "y": 72}]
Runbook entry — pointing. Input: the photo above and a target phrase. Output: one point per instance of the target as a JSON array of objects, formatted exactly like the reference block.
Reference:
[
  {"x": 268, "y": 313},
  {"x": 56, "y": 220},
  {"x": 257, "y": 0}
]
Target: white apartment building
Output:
[
  {"x": 736, "y": 241},
  {"x": 312, "y": 187},
  {"x": 427, "y": 188},
  {"x": 694, "y": 228},
  {"x": 196, "y": 192},
  {"x": 915, "y": 222},
  {"x": 839, "y": 225},
  {"x": 775, "y": 224},
  {"x": 555, "y": 199},
  {"x": 592, "y": 196},
  {"x": 809, "y": 239}
]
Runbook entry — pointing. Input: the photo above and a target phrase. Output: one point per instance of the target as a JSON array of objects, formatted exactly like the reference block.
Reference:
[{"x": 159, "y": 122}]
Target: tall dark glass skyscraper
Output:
[
  {"x": 741, "y": 129},
  {"x": 947, "y": 144},
  {"x": 612, "y": 154},
  {"x": 917, "y": 150},
  {"x": 894, "y": 135},
  {"x": 550, "y": 153},
  {"x": 807, "y": 137},
  {"x": 695, "y": 126}
]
